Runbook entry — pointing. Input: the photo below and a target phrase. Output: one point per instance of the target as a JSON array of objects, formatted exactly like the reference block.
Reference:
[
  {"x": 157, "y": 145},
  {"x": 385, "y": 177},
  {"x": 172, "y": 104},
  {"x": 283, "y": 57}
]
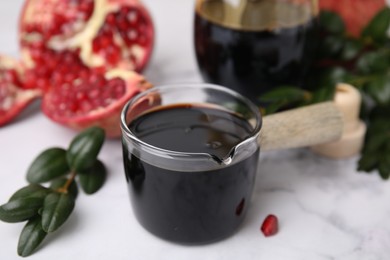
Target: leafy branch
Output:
[
  {"x": 47, "y": 208},
  {"x": 363, "y": 62}
]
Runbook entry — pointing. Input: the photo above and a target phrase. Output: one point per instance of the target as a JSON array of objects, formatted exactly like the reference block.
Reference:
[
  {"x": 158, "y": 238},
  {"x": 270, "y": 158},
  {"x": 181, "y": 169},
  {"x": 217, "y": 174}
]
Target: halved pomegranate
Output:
[
  {"x": 104, "y": 33},
  {"x": 13, "y": 99},
  {"x": 82, "y": 55},
  {"x": 356, "y": 13}
]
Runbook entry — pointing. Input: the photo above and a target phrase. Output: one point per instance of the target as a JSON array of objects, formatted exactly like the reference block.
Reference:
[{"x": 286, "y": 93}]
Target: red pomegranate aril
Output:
[
  {"x": 111, "y": 19},
  {"x": 142, "y": 40},
  {"x": 270, "y": 225},
  {"x": 96, "y": 45},
  {"x": 85, "y": 107},
  {"x": 113, "y": 54},
  {"x": 80, "y": 96},
  {"x": 73, "y": 107},
  {"x": 113, "y": 58},
  {"x": 68, "y": 58},
  {"x": 106, "y": 41},
  {"x": 42, "y": 72},
  {"x": 59, "y": 19},
  {"x": 41, "y": 83},
  {"x": 132, "y": 17},
  {"x": 68, "y": 78},
  {"x": 12, "y": 76},
  {"x": 133, "y": 35},
  {"x": 122, "y": 23},
  {"x": 106, "y": 30},
  {"x": 86, "y": 7},
  {"x": 125, "y": 10}
]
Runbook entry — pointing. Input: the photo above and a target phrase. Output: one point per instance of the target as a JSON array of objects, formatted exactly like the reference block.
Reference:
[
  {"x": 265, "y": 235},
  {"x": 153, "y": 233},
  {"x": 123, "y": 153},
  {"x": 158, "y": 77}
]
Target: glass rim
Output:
[{"x": 165, "y": 152}]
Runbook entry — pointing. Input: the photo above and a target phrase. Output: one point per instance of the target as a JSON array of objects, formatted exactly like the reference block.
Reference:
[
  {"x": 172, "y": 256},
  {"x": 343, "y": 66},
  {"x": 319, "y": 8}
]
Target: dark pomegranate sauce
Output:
[{"x": 191, "y": 207}]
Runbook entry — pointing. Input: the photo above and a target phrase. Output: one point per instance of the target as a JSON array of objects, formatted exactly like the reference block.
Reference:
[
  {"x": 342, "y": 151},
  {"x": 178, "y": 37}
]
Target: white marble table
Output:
[{"x": 327, "y": 210}]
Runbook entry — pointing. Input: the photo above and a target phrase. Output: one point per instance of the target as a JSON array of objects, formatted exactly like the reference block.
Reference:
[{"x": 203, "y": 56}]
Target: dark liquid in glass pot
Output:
[
  {"x": 271, "y": 45},
  {"x": 191, "y": 207}
]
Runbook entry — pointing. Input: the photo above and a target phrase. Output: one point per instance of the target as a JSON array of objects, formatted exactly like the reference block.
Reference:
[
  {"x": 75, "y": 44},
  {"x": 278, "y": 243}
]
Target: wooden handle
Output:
[
  {"x": 306, "y": 126},
  {"x": 347, "y": 99}
]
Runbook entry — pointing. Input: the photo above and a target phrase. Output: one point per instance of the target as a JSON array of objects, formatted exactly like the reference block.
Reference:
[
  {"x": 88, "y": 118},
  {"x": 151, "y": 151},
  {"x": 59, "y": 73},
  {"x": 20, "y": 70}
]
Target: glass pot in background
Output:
[{"x": 252, "y": 46}]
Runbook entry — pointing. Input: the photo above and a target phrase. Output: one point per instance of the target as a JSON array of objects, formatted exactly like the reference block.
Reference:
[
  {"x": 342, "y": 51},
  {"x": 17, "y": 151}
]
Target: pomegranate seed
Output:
[
  {"x": 106, "y": 30},
  {"x": 142, "y": 40},
  {"x": 270, "y": 225},
  {"x": 41, "y": 83},
  {"x": 111, "y": 19},
  {"x": 125, "y": 10},
  {"x": 113, "y": 57},
  {"x": 81, "y": 96},
  {"x": 123, "y": 24},
  {"x": 132, "y": 17},
  {"x": 105, "y": 41},
  {"x": 93, "y": 94},
  {"x": 95, "y": 45},
  {"x": 11, "y": 76},
  {"x": 133, "y": 34},
  {"x": 86, "y": 7}
]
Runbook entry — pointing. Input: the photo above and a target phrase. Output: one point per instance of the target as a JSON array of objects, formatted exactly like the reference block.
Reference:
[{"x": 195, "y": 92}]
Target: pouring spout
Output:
[{"x": 224, "y": 161}]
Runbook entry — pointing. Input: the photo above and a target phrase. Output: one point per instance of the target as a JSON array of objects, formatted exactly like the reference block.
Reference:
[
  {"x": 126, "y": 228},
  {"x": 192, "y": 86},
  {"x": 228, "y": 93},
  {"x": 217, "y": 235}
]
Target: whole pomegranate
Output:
[
  {"x": 355, "y": 13},
  {"x": 83, "y": 56}
]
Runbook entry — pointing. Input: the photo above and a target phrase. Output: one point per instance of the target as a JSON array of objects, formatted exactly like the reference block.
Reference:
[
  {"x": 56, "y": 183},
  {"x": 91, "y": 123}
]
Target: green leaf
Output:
[
  {"x": 32, "y": 191},
  {"x": 31, "y": 237},
  {"x": 57, "y": 207},
  {"x": 376, "y": 30},
  {"x": 84, "y": 148},
  {"x": 364, "y": 63},
  {"x": 21, "y": 209},
  {"x": 239, "y": 108},
  {"x": 59, "y": 183},
  {"x": 286, "y": 93},
  {"x": 93, "y": 179},
  {"x": 324, "y": 93},
  {"x": 384, "y": 168},
  {"x": 381, "y": 117},
  {"x": 379, "y": 89},
  {"x": 377, "y": 61},
  {"x": 48, "y": 165},
  {"x": 335, "y": 75},
  {"x": 351, "y": 50},
  {"x": 374, "y": 142},
  {"x": 327, "y": 79},
  {"x": 376, "y": 151},
  {"x": 368, "y": 162},
  {"x": 332, "y": 22},
  {"x": 273, "y": 107},
  {"x": 281, "y": 97},
  {"x": 331, "y": 46}
]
